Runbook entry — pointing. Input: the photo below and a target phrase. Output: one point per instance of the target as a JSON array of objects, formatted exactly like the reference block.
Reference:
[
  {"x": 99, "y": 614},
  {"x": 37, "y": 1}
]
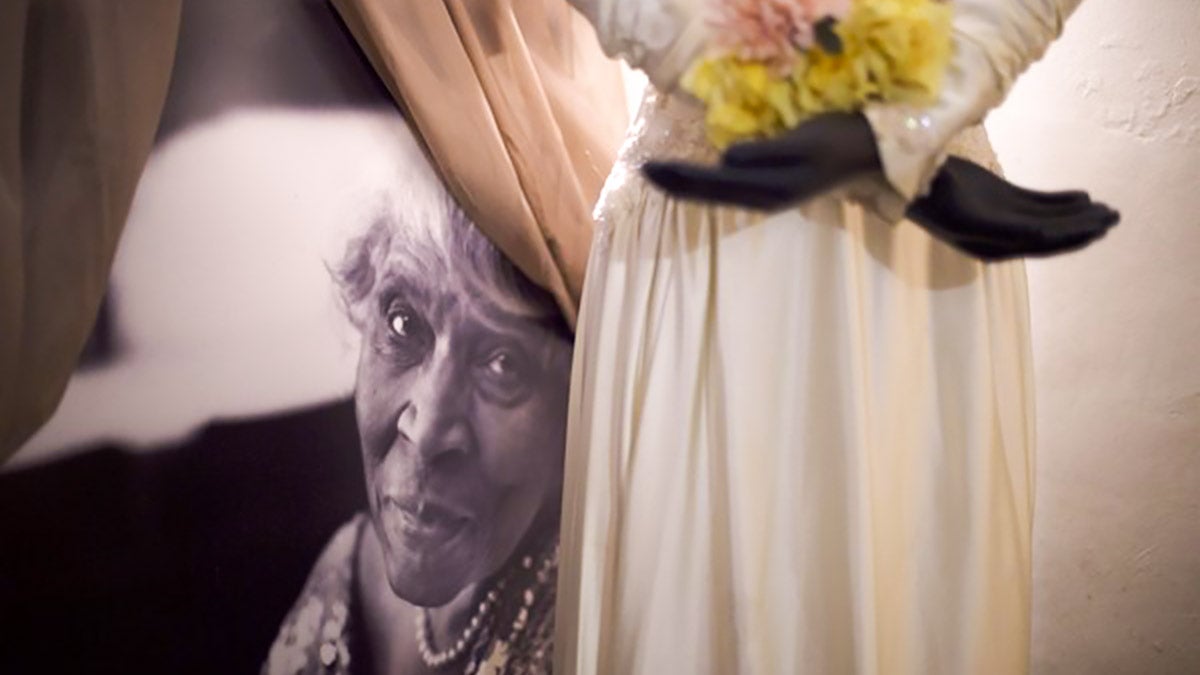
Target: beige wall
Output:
[{"x": 1115, "y": 108}]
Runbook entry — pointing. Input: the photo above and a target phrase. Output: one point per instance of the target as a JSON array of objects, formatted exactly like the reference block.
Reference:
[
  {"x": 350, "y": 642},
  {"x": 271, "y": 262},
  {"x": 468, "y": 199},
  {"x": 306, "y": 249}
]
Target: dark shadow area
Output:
[
  {"x": 102, "y": 343},
  {"x": 294, "y": 54},
  {"x": 182, "y": 560}
]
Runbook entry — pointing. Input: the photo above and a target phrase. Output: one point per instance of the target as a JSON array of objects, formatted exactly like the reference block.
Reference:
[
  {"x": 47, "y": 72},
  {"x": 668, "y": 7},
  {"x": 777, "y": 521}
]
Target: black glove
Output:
[
  {"x": 968, "y": 206},
  {"x": 984, "y": 215}
]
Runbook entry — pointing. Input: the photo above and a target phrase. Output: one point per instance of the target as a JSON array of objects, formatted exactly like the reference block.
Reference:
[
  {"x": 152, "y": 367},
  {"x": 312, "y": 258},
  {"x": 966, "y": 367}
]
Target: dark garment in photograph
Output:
[{"x": 323, "y": 632}]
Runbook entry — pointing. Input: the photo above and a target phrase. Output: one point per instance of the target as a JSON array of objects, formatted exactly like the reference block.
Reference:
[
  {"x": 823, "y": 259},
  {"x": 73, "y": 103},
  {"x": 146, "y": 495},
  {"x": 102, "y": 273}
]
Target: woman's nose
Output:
[{"x": 434, "y": 418}]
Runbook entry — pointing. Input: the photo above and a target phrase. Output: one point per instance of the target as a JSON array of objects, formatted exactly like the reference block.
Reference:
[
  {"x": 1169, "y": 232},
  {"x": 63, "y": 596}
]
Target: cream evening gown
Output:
[{"x": 799, "y": 443}]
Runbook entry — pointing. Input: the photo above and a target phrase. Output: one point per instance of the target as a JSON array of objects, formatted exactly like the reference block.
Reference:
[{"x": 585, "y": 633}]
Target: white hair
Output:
[{"x": 407, "y": 216}]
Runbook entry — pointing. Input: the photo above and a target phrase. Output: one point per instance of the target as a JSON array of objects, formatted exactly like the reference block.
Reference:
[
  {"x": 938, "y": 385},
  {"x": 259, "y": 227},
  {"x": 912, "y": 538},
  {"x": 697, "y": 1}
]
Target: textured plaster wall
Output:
[{"x": 1115, "y": 108}]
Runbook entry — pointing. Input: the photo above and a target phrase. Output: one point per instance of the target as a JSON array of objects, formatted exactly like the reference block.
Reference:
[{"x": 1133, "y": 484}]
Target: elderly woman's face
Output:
[{"x": 461, "y": 408}]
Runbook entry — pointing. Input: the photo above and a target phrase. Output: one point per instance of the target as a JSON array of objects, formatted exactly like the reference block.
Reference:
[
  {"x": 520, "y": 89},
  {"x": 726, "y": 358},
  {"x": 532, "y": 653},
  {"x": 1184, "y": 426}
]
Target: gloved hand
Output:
[{"x": 967, "y": 206}]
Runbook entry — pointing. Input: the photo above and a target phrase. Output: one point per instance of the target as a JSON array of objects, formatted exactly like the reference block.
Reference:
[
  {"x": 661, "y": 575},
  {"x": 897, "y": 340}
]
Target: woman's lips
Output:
[{"x": 422, "y": 522}]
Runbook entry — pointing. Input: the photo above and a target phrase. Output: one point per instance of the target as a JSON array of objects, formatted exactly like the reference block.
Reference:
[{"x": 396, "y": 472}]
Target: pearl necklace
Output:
[{"x": 486, "y": 608}]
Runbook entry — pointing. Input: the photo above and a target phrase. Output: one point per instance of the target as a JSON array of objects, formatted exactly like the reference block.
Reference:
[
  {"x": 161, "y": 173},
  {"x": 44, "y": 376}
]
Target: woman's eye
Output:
[
  {"x": 505, "y": 376},
  {"x": 500, "y": 365},
  {"x": 400, "y": 323},
  {"x": 505, "y": 366},
  {"x": 403, "y": 321},
  {"x": 408, "y": 334}
]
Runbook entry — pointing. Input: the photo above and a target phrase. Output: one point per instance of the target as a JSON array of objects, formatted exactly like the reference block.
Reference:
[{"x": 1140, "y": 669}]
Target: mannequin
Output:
[{"x": 801, "y": 431}]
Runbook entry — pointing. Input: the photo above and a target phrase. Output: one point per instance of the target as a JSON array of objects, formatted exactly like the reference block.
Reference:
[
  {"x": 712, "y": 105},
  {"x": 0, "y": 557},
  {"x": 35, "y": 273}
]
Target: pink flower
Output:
[{"x": 770, "y": 30}]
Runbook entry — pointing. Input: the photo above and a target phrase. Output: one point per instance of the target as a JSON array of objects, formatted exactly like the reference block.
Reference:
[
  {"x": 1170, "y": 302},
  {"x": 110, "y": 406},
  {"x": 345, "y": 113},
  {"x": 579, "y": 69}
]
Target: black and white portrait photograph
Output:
[
  {"x": 319, "y": 423},
  {"x": 460, "y": 403}
]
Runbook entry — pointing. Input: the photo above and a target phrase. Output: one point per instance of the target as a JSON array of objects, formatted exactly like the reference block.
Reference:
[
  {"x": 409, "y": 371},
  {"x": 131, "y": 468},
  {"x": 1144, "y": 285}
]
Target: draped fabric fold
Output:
[
  {"x": 82, "y": 85},
  {"x": 519, "y": 110}
]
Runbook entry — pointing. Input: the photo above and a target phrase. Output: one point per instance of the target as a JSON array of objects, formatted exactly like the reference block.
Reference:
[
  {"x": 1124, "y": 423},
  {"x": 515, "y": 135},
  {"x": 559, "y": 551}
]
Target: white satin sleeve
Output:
[
  {"x": 994, "y": 42},
  {"x": 659, "y": 37}
]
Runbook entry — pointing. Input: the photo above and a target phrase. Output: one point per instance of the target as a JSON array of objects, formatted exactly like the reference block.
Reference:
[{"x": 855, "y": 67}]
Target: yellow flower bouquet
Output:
[{"x": 775, "y": 63}]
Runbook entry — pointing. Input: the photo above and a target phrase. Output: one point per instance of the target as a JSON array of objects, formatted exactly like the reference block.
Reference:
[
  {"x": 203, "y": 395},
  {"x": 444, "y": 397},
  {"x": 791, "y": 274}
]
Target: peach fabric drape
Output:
[
  {"x": 82, "y": 84},
  {"x": 520, "y": 111}
]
